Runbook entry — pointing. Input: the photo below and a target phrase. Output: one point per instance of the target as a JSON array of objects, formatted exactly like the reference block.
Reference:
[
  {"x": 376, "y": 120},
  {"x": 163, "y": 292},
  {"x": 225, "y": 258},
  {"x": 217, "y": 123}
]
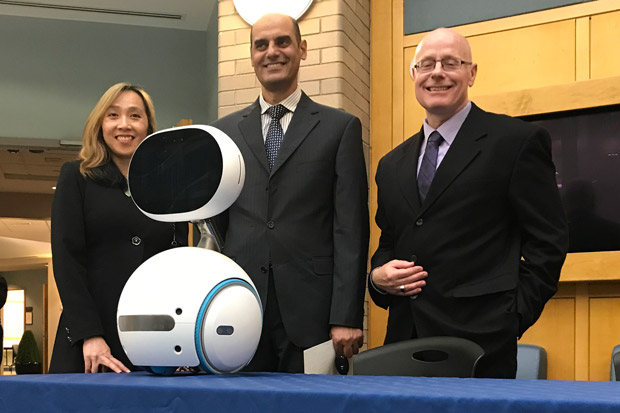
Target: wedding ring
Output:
[{"x": 402, "y": 288}]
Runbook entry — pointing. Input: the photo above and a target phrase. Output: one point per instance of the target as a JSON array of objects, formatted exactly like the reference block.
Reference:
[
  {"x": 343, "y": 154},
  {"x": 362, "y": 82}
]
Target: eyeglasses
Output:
[{"x": 448, "y": 64}]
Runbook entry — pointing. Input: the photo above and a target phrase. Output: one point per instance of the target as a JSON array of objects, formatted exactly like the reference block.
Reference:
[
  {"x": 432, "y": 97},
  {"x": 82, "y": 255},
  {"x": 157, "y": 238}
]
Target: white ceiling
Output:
[
  {"x": 32, "y": 230},
  {"x": 24, "y": 244},
  {"x": 34, "y": 168}
]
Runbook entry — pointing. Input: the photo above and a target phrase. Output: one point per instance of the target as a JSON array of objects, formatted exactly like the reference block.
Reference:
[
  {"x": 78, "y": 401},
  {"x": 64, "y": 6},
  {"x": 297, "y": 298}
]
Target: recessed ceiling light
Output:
[{"x": 252, "y": 10}]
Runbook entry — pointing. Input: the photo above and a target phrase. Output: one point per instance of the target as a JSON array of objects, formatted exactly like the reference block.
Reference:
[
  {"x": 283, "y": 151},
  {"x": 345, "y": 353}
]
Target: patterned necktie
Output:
[
  {"x": 429, "y": 164},
  {"x": 274, "y": 133}
]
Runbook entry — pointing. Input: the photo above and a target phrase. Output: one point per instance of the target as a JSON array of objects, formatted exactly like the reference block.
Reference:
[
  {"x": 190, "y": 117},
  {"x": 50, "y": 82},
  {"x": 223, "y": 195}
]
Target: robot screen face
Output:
[{"x": 174, "y": 171}]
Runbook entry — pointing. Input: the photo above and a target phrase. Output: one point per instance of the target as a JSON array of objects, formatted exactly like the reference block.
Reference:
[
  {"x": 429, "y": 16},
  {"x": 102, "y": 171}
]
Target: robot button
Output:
[
  {"x": 136, "y": 240},
  {"x": 271, "y": 224}
]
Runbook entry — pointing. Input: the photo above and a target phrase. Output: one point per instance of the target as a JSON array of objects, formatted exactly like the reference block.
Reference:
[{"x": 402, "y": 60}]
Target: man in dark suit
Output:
[
  {"x": 300, "y": 225},
  {"x": 473, "y": 234},
  {"x": 3, "y": 293}
]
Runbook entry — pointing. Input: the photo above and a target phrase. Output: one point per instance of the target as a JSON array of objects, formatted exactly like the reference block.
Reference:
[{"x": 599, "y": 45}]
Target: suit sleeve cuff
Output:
[{"x": 372, "y": 284}]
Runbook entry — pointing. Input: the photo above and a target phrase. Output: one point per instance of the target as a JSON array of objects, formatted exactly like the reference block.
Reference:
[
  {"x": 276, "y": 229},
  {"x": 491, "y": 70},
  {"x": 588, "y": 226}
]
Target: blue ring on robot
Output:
[{"x": 201, "y": 313}]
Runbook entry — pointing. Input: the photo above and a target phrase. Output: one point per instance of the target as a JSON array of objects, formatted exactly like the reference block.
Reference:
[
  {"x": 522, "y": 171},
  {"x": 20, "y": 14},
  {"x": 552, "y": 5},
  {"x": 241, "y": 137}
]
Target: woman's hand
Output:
[{"x": 97, "y": 354}]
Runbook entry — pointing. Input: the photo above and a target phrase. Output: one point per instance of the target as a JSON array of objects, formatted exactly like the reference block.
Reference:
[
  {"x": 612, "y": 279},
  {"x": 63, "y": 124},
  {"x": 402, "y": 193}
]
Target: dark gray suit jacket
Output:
[
  {"x": 308, "y": 217},
  {"x": 491, "y": 233}
]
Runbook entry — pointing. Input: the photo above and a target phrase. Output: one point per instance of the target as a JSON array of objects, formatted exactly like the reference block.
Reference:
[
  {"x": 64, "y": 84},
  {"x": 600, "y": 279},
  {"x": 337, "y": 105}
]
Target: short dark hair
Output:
[{"x": 296, "y": 30}]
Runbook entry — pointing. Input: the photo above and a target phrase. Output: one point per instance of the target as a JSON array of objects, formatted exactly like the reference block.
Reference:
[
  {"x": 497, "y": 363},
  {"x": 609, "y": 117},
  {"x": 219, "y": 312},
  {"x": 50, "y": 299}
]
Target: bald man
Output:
[
  {"x": 300, "y": 225},
  {"x": 473, "y": 233}
]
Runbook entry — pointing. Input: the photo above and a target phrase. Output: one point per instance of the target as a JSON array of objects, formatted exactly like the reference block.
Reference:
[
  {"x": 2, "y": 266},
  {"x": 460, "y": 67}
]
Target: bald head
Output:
[
  {"x": 447, "y": 72},
  {"x": 446, "y": 36},
  {"x": 282, "y": 19}
]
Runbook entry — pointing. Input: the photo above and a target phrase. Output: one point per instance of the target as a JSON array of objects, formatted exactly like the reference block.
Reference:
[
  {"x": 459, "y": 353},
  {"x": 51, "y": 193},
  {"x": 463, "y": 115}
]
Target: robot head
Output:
[{"x": 186, "y": 173}]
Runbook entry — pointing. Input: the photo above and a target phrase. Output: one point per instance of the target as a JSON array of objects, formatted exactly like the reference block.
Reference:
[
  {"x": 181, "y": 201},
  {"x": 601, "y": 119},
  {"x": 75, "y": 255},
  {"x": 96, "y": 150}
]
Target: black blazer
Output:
[
  {"x": 3, "y": 293},
  {"x": 99, "y": 237},
  {"x": 491, "y": 233},
  {"x": 308, "y": 218}
]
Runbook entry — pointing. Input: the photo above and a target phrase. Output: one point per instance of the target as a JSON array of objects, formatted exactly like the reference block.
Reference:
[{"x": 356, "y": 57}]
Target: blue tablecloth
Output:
[{"x": 270, "y": 392}]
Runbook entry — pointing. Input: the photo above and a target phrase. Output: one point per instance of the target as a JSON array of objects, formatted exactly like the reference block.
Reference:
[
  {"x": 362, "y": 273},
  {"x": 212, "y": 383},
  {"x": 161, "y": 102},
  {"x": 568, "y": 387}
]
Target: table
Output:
[{"x": 273, "y": 392}]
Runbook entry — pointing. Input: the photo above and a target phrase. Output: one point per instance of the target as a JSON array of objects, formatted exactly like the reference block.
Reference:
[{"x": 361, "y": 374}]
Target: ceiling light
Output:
[{"x": 252, "y": 10}]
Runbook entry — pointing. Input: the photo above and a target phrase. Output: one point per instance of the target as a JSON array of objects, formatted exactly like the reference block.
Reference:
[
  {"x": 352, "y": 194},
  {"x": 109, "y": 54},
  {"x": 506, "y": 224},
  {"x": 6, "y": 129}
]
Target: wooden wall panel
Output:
[
  {"x": 529, "y": 57},
  {"x": 604, "y": 334},
  {"x": 381, "y": 133},
  {"x": 555, "y": 332},
  {"x": 605, "y": 33},
  {"x": 594, "y": 266}
]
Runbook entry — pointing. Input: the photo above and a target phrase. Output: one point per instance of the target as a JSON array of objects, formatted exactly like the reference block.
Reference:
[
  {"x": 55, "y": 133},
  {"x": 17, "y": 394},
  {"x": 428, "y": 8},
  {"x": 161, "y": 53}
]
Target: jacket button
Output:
[
  {"x": 263, "y": 269},
  {"x": 414, "y": 297},
  {"x": 136, "y": 240},
  {"x": 271, "y": 224},
  {"x": 419, "y": 222}
]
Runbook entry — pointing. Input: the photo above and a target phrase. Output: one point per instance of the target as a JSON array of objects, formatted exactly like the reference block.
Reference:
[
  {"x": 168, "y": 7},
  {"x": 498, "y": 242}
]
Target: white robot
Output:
[{"x": 188, "y": 306}]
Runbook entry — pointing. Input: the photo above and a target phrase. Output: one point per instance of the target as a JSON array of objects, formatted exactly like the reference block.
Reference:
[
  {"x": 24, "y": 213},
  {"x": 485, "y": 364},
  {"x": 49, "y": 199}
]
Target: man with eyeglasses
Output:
[{"x": 473, "y": 234}]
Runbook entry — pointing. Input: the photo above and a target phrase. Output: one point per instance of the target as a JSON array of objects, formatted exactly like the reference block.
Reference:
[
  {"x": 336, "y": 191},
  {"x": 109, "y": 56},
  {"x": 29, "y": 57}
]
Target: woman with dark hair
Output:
[{"x": 99, "y": 237}]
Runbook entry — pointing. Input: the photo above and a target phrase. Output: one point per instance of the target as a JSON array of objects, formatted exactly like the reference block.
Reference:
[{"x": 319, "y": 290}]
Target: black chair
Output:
[
  {"x": 616, "y": 365},
  {"x": 428, "y": 357},
  {"x": 612, "y": 374},
  {"x": 531, "y": 362}
]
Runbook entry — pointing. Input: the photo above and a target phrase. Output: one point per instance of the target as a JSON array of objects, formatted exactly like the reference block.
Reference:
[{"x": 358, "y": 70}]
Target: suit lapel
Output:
[
  {"x": 251, "y": 130},
  {"x": 408, "y": 167},
  {"x": 304, "y": 120},
  {"x": 464, "y": 149}
]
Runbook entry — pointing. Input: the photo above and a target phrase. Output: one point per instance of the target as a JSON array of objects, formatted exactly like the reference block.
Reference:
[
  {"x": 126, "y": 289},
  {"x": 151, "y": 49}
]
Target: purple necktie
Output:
[
  {"x": 429, "y": 164},
  {"x": 274, "y": 133}
]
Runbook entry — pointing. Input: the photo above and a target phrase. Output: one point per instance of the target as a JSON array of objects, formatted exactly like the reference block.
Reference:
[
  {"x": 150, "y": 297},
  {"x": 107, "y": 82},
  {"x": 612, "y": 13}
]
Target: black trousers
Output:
[{"x": 275, "y": 352}]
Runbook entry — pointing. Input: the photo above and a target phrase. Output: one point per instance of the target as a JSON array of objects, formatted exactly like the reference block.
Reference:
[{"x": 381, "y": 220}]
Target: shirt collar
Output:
[
  {"x": 451, "y": 127},
  {"x": 290, "y": 102}
]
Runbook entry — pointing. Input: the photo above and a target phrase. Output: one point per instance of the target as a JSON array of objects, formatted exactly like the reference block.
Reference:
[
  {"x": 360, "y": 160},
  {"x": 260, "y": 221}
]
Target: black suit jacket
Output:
[
  {"x": 308, "y": 217},
  {"x": 491, "y": 233},
  {"x": 3, "y": 293},
  {"x": 99, "y": 237}
]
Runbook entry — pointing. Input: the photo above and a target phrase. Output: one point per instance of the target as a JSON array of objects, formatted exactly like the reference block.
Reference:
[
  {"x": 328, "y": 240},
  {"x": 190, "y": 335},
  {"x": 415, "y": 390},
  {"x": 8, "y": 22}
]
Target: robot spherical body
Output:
[{"x": 188, "y": 306}]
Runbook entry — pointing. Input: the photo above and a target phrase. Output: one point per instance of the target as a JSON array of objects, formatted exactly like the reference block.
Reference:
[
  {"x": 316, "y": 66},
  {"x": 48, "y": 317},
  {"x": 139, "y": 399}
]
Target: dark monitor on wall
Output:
[{"x": 586, "y": 153}]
